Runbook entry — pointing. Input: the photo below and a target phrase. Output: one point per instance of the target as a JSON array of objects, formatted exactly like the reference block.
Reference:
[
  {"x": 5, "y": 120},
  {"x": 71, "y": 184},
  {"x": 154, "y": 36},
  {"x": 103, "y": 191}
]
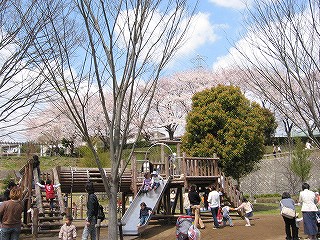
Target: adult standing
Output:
[
  {"x": 186, "y": 202},
  {"x": 10, "y": 215},
  {"x": 290, "y": 223},
  {"x": 36, "y": 164},
  {"x": 214, "y": 203},
  {"x": 147, "y": 166},
  {"x": 309, "y": 210},
  {"x": 92, "y": 213},
  {"x": 195, "y": 200}
]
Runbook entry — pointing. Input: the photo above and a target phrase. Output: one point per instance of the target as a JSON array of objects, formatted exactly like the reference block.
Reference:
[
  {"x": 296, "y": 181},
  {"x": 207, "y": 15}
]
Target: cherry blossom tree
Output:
[{"x": 172, "y": 100}]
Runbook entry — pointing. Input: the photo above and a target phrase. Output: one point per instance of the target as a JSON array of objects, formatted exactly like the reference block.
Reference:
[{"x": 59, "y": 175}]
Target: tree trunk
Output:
[{"x": 112, "y": 215}]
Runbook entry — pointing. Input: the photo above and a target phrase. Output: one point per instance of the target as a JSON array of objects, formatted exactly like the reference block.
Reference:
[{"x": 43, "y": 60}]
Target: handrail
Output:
[
  {"x": 38, "y": 193},
  {"x": 200, "y": 166},
  {"x": 59, "y": 193}
]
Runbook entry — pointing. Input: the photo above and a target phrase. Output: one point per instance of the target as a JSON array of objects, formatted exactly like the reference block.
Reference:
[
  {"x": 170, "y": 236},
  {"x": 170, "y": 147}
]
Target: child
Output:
[
  {"x": 247, "y": 207},
  {"x": 225, "y": 215},
  {"x": 146, "y": 186},
  {"x": 50, "y": 195},
  {"x": 145, "y": 212},
  {"x": 68, "y": 230},
  {"x": 75, "y": 210},
  {"x": 155, "y": 181}
]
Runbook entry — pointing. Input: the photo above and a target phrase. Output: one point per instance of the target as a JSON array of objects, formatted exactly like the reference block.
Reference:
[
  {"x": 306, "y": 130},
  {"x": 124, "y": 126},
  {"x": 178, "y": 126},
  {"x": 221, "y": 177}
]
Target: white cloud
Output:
[
  {"x": 236, "y": 4},
  {"x": 201, "y": 32}
]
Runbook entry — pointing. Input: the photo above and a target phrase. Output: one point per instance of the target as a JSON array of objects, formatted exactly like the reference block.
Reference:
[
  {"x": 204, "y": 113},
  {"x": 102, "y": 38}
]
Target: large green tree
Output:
[{"x": 224, "y": 122}]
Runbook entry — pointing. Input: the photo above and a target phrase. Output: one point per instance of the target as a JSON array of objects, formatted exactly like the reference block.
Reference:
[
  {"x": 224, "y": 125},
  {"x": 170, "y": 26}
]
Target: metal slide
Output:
[{"x": 131, "y": 217}]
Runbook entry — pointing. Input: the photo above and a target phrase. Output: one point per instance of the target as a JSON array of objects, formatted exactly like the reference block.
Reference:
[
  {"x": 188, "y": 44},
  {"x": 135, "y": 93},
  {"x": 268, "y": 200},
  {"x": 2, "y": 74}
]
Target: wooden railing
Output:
[
  {"x": 233, "y": 195},
  {"x": 201, "y": 167}
]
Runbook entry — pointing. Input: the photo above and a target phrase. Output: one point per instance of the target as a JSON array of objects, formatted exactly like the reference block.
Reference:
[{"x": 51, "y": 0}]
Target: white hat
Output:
[{"x": 154, "y": 173}]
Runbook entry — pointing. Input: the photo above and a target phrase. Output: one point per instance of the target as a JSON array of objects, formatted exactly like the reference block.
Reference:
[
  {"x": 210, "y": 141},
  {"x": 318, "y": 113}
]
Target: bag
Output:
[
  {"x": 101, "y": 214},
  {"x": 318, "y": 217},
  {"x": 193, "y": 233},
  {"x": 182, "y": 226},
  {"x": 288, "y": 212},
  {"x": 219, "y": 216}
]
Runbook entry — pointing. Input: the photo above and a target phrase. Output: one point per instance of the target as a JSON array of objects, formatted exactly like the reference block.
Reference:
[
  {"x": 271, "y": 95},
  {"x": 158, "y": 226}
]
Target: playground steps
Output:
[{"x": 47, "y": 221}]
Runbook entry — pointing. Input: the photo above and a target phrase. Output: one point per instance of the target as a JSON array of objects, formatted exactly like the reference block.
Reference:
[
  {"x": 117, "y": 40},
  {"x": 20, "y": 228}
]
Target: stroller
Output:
[{"x": 183, "y": 224}]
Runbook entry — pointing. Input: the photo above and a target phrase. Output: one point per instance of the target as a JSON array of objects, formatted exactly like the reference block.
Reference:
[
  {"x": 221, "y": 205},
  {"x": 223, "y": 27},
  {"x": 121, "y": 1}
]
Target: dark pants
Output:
[
  {"x": 214, "y": 212},
  {"x": 290, "y": 224}
]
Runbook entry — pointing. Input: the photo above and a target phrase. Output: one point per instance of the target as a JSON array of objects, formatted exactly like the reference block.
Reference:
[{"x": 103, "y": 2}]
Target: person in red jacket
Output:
[{"x": 50, "y": 194}]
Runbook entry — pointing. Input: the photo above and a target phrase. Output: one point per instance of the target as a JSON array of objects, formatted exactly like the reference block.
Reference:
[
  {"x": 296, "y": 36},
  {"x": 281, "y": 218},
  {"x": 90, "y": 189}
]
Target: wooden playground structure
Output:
[{"x": 181, "y": 170}]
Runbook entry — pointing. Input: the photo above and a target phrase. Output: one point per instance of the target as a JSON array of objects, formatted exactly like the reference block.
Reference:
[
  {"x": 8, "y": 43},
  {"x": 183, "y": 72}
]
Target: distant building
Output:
[{"x": 10, "y": 148}]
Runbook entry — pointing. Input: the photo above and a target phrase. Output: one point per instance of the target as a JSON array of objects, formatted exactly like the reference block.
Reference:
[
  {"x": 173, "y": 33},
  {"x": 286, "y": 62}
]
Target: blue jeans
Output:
[
  {"x": 143, "y": 220},
  {"x": 91, "y": 229},
  {"x": 214, "y": 212},
  {"x": 10, "y": 233},
  {"x": 188, "y": 211},
  {"x": 225, "y": 219}
]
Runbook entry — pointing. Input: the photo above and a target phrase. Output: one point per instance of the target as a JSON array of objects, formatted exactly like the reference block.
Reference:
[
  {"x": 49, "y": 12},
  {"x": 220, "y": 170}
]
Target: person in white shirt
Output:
[
  {"x": 309, "y": 210},
  {"x": 214, "y": 204}
]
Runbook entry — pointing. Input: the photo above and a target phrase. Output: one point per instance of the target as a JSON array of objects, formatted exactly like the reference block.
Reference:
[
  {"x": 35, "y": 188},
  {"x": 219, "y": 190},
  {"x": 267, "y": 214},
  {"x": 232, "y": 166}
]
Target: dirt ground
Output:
[{"x": 264, "y": 227}]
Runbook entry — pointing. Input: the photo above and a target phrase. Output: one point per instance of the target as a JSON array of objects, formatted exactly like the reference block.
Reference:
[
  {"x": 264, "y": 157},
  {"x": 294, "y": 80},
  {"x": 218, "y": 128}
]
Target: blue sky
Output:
[{"x": 218, "y": 24}]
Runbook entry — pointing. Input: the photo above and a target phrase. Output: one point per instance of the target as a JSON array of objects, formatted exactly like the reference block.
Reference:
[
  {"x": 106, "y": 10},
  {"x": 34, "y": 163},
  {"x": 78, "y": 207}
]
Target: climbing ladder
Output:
[{"x": 39, "y": 218}]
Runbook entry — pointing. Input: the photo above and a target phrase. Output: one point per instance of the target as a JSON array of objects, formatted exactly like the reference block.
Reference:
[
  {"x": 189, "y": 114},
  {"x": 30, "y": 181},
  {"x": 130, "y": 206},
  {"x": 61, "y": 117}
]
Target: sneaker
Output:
[
  {"x": 248, "y": 225},
  {"x": 231, "y": 225},
  {"x": 214, "y": 228}
]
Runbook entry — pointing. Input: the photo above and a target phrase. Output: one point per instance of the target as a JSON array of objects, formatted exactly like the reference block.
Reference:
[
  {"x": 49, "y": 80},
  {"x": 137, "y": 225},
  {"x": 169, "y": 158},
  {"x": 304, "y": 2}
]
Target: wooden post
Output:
[
  {"x": 35, "y": 221},
  {"x": 123, "y": 203},
  {"x": 120, "y": 230},
  {"x": 216, "y": 170},
  {"x": 59, "y": 193},
  {"x": 184, "y": 168},
  {"x": 81, "y": 206},
  {"x": 166, "y": 162},
  {"x": 181, "y": 199},
  {"x": 134, "y": 174},
  {"x": 178, "y": 150}
]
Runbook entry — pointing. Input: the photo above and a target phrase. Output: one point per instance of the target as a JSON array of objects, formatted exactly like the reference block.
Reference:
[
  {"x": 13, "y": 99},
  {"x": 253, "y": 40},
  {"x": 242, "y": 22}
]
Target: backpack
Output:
[{"x": 101, "y": 214}]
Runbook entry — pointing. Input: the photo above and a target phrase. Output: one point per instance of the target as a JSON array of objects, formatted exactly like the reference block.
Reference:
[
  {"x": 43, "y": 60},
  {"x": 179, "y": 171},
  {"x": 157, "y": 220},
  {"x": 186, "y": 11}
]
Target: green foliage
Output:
[
  {"x": 300, "y": 164},
  {"x": 88, "y": 158},
  {"x": 267, "y": 195},
  {"x": 270, "y": 125},
  {"x": 224, "y": 122}
]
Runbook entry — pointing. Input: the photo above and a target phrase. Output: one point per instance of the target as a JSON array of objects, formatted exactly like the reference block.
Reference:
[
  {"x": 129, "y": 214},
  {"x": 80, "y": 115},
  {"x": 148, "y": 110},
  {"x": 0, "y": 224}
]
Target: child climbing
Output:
[{"x": 50, "y": 194}]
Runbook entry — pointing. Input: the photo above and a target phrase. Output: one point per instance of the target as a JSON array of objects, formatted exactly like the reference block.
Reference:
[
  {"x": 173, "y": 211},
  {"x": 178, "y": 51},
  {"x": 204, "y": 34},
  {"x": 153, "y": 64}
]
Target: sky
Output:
[
  {"x": 217, "y": 26},
  {"x": 214, "y": 30}
]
